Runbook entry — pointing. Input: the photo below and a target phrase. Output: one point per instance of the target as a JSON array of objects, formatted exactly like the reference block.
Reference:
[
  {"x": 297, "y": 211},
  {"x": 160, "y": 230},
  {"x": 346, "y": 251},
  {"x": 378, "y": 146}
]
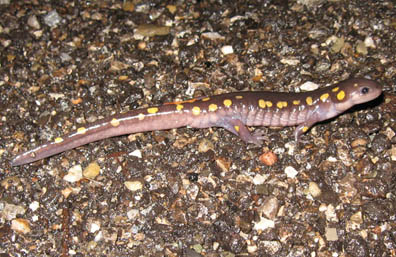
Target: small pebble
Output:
[
  {"x": 74, "y": 174},
  {"x": 291, "y": 172},
  {"x": 389, "y": 133},
  {"x": 65, "y": 57},
  {"x": 338, "y": 43},
  {"x": 358, "y": 142},
  {"x": 97, "y": 16},
  {"x": 268, "y": 158},
  {"x": 137, "y": 153},
  {"x": 271, "y": 247},
  {"x": 150, "y": 30},
  {"x": 91, "y": 171},
  {"x": 52, "y": 19},
  {"x": 309, "y": 86},
  {"x": 393, "y": 153},
  {"x": 331, "y": 234},
  {"x": 133, "y": 214},
  {"x": 331, "y": 215},
  {"x": 128, "y": 6},
  {"x": 118, "y": 66},
  {"x": 369, "y": 42},
  {"x": 93, "y": 226},
  {"x": 252, "y": 249},
  {"x": 270, "y": 207},
  {"x": 263, "y": 224},
  {"x": 10, "y": 211},
  {"x": 223, "y": 164},
  {"x": 192, "y": 191},
  {"x": 356, "y": 220},
  {"x": 290, "y": 61},
  {"x": 34, "y": 205},
  {"x": 212, "y": 36},
  {"x": 20, "y": 226},
  {"x": 227, "y": 50},
  {"x": 33, "y": 22},
  {"x": 134, "y": 185},
  {"x": 205, "y": 145},
  {"x": 361, "y": 48},
  {"x": 314, "y": 189},
  {"x": 171, "y": 8},
  {"x": 260, "y": 179}
]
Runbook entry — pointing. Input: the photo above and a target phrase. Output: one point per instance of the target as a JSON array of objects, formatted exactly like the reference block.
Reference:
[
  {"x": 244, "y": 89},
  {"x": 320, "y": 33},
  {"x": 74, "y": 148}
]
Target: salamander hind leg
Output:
[
  {"x": 238, "y": 128},
  {"x": 301, "y": 129}
]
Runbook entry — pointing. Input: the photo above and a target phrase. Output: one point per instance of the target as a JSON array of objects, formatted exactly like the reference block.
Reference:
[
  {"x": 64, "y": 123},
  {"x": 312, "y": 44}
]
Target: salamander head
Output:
[{"x": 355, "y": 91}]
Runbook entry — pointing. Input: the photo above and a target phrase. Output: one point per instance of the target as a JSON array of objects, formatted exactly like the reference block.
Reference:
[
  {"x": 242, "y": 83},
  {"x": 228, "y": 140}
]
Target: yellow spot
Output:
[
  {"x": 356, "y": 85},
  {"x": 281, "y": 104},
  {"x": 238, "y": 97},
  {"x": 268, "y": 103},
  {"x": 141, "y": 116},
  {"x": 335, "y": 89},
  {"x": 341, "y": 95},
  {"x": 261, "y": 103},
  {"x": 196, "y": 110},
  {"x": 309, "y": 100},
  {"x": 296, "y": 102},
  {"x": 179, "y": 107},
  {"x": 227, "y": 102},
  {"x": 58, "y": 140},
  {"x": 206, "y": 99},
  {"x": 212, "y": 107},
  {"x": 305, "y": 129},
  {"x": 81, "y": 130},
  {"x": 324, "y": 97},
  {"x": 152, "y": 110},
  {"x": 236, "y": 128},
  {"x": 114, "y": 122}
]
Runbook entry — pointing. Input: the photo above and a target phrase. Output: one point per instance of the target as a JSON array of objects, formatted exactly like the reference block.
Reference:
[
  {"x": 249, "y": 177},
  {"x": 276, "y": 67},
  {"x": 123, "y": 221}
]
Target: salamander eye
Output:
[{"x": 364, "y": 90}]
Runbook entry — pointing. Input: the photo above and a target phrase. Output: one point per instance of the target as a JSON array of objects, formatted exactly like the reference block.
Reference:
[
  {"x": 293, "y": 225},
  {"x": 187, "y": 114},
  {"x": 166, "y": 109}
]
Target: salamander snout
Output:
[{"x": 362, "y": 90}]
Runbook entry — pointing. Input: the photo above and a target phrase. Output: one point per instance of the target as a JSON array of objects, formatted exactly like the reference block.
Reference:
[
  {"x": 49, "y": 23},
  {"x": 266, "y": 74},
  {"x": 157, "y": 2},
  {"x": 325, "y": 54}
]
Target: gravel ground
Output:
[{"x": 195, "y": 192}]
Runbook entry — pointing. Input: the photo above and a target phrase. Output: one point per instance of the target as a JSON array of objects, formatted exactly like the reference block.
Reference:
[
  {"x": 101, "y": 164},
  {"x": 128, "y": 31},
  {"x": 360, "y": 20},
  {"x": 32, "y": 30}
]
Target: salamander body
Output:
[{"x": 232, "y": 111}]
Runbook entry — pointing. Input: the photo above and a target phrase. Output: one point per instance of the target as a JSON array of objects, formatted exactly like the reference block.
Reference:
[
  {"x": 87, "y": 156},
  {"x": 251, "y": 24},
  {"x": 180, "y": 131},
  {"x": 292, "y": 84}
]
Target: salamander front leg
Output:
[{"x": 238, "y": 128}]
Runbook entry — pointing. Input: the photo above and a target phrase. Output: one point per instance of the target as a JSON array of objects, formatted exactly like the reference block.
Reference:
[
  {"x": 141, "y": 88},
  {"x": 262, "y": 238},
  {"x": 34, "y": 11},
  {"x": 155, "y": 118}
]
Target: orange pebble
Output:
[{"x": 268, "y": 158}]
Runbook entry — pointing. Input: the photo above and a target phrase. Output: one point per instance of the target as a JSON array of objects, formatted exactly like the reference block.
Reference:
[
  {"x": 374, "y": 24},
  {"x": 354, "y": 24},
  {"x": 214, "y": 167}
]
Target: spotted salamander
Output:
[{"x": 232, "y": 111}]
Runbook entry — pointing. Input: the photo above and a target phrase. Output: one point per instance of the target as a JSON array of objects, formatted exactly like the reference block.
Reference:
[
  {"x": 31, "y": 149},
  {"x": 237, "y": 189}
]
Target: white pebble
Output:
[
  {"x": 137, "y": 153},
  {"x": 259, "y": 179},
  {"x": 34, "y": 205},
  {"x": 212, "y": 36},
  {"x": 21, "y": 226},
  {"x": 263, "y": 224},
  {"x": 369, "y": 42},
  {"x": 227, "y": 50},
  {"x": 290, "y": 61},
  {"x": 33, "y": 22},
  {"x": 133, "y": 185},
  {"x": 332, "y": 159},
  {"x": 309, "y": 86},
  {"x": 94, "y": 226},
  {"x": 291, "y": 172},
  {"x": 133, "y": 214},
  {"x": 74, "y": 174},
  {"x": 52, "y": 18}
]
